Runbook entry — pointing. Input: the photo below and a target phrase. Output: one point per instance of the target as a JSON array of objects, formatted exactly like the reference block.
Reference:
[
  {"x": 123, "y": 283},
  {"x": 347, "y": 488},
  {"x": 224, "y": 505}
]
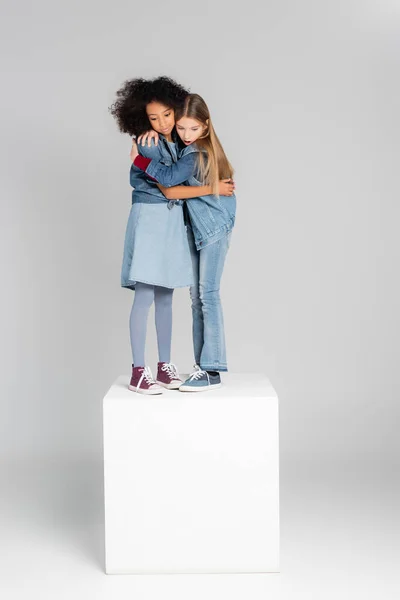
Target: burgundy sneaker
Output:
[
  {"x": 142, "y": 381},
  {"x": 168, "y": 376}
]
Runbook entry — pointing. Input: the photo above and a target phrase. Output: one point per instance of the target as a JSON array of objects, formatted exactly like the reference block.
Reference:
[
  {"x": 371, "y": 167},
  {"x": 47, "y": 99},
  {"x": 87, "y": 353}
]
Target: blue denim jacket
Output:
[
  {"x": 146, "y": 190},
  {"x": 211, "y": 217}
]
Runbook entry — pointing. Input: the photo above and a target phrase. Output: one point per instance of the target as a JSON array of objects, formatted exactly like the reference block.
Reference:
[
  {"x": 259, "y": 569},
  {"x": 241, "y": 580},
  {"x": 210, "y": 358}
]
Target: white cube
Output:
[{"x": 192, "y": 479}]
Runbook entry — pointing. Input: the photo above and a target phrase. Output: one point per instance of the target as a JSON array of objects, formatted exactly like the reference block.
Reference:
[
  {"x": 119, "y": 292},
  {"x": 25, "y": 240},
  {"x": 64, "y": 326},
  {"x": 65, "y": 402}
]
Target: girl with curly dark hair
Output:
[
  {"x": 156, "y": 251},
  {"x": 130, "y": 108},
  {"x": 210, "y": 220}
]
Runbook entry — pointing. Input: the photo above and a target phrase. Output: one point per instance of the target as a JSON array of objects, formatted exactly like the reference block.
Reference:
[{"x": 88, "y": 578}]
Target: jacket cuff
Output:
[{"x": 141, "y": 162}]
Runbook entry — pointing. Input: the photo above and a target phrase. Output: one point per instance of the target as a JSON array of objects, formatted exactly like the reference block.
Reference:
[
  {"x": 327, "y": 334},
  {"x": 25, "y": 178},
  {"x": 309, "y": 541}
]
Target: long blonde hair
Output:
[{"x": 213, "y": 164}]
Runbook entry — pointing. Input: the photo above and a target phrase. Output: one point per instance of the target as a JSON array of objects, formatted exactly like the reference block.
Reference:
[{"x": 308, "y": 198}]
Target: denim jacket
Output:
[
  {"x": 145, "y": 189},
  {"x": 211, "y": 217}
]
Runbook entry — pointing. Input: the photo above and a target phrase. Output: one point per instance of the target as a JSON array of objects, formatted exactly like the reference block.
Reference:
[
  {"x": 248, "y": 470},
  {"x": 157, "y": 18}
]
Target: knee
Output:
[
  {"x": 163, "y": 299},
  {"x": 144, "y": 297},
  {"x": 209, "y": 295}
]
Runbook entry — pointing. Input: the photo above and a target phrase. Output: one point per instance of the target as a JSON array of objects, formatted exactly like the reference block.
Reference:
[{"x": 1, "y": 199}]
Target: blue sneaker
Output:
[{"x": 201, "y": 381}]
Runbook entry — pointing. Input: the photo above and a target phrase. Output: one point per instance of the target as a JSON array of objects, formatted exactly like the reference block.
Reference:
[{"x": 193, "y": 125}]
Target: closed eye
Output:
[{"x": 155, "y": 118}]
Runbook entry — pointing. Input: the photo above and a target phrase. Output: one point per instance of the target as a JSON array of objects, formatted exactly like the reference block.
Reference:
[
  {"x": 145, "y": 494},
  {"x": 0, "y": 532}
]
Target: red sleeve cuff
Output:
[{"x": 141, "y": 162}]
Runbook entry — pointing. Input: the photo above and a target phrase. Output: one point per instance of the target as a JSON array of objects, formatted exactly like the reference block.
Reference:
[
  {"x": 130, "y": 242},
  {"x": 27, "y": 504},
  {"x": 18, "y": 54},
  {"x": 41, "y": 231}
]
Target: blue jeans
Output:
[{"x": 208, "y": 321}]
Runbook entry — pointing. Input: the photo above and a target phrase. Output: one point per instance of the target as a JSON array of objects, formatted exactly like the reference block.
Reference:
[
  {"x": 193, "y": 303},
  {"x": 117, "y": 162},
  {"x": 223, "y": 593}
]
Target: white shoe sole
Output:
[
  {"x": 205, "y": 388},
  {"x": 145, "y": 392},
  {"x": 169, "y": 386}
]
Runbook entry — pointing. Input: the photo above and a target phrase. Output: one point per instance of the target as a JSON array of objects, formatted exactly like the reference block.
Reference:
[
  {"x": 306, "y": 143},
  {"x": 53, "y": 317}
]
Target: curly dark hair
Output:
[{"x": 129, "y": 110}]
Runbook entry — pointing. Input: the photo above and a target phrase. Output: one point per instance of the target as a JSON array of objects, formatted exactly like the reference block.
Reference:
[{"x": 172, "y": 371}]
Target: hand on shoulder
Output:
[{"x": 147, "y": 137}]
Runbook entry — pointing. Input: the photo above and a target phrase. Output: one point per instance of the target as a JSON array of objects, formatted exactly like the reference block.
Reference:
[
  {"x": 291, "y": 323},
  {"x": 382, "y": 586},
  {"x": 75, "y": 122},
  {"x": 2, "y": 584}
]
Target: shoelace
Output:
[
  {"x": 199, "y": 374},
  {"x": 147, "y": 376},
  {"x": 171, "y": 370}
]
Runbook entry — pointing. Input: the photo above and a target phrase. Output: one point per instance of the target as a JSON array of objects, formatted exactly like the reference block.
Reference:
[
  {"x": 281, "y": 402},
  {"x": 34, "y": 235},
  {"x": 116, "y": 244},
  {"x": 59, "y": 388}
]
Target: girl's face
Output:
[
  {"x": 161, "y": 117},
  {"x": 189, "y": 130}
]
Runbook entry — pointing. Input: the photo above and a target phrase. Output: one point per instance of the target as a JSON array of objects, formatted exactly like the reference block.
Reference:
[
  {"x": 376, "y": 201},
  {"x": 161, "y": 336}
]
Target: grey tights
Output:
[{"x": 145, "y": 295}]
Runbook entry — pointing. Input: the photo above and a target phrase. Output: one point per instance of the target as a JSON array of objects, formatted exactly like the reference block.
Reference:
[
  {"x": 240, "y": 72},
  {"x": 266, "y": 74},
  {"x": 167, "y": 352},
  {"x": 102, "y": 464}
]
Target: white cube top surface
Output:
[{"x": 253, "y": 385}]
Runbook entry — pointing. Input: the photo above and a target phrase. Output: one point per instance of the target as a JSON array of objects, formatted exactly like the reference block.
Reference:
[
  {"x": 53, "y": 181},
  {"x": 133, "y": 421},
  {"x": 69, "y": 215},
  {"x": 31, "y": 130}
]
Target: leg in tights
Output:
[
  {"x": 163, "y": 315},
  {"x": 144, "y": 297}
]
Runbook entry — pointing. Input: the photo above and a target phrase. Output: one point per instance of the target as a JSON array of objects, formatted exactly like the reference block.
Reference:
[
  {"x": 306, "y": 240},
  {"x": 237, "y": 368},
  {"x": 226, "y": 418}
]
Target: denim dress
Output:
[{"x": 156, "y": 249}]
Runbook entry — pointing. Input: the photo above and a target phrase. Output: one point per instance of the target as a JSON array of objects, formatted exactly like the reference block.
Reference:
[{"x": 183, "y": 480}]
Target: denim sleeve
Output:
[
  {"x": 154, "y": 152},
  {"x": 175, "y": 174},
  {"x": 137, "y": 176}
]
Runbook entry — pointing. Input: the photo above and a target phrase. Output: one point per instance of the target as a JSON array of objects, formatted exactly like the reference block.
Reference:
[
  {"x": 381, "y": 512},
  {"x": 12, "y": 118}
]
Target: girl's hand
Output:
[
  {"x": 226, "y": 187},
  {"x": 148, "y": 136},
  {"x": 134, "y": 151}
]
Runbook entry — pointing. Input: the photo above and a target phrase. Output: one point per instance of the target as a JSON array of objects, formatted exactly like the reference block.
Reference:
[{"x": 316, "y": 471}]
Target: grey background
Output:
[{"x": 305, "y": 98}]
